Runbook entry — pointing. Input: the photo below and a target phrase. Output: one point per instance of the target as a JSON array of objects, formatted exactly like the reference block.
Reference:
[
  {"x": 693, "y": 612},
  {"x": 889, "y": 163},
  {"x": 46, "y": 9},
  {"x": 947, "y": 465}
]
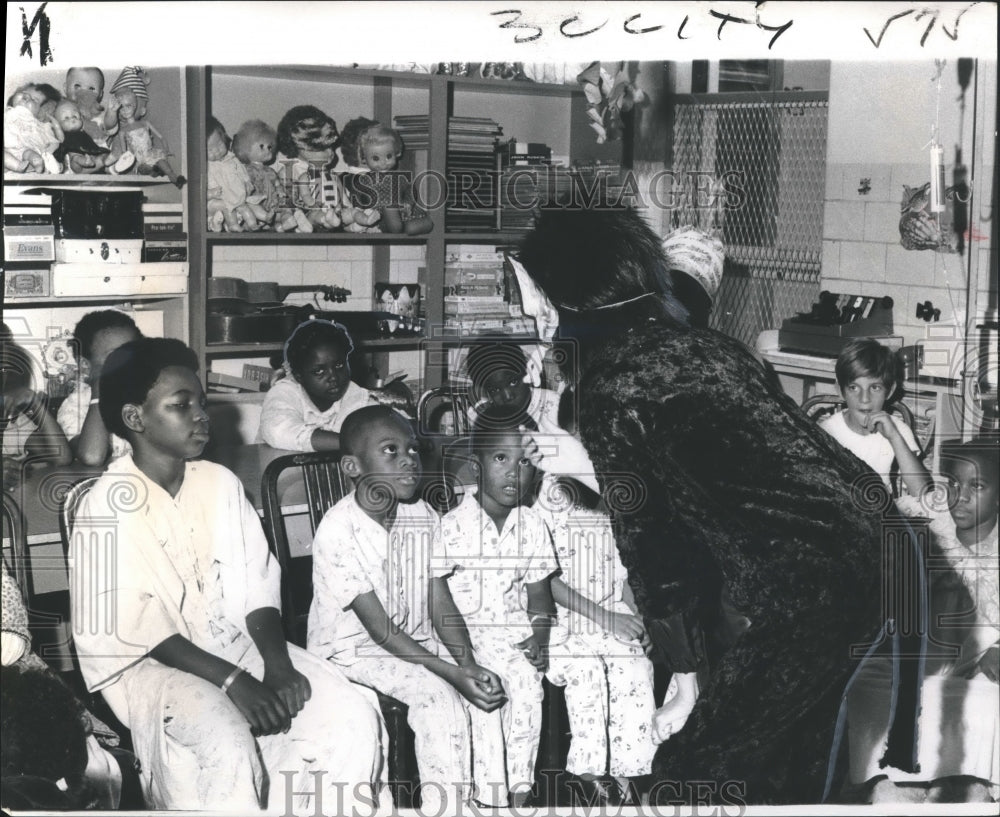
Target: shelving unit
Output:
[{"x": 234, "y": 94}]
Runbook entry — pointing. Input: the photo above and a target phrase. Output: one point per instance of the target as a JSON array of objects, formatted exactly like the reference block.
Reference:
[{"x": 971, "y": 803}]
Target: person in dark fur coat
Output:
[{"x": 751, "y": 540}]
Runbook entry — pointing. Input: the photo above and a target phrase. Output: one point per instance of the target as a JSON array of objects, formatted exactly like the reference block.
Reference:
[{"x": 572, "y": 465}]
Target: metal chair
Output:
[
  {"x": 14, "y": 532},
  {"x": 434, "y": 400},
  {"x": 325, "y": 484}
]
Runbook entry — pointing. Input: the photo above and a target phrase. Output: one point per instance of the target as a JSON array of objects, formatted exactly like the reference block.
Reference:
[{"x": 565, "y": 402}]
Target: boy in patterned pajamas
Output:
[
  {"x": 369, "y": 616},
  {"x": 594, "y": 598},
  {"x": 495, "y": 555}
]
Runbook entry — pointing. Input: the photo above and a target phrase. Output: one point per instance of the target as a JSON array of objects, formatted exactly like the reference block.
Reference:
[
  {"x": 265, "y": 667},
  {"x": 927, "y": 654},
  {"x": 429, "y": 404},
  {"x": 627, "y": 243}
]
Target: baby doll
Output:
[
  {"x": 29, "y": 142},
  {"x": 140, "y": 138},
  {"x": 253, "y": 145},
  {"x": 307, "y": 138},
  {"x": 390, "y": 193},
  {"x": 228, "y": 187},
  {"x": 356, "y": 219},
  {"x": 78, "y": 151},
  {"x": 85, "y": 87}
]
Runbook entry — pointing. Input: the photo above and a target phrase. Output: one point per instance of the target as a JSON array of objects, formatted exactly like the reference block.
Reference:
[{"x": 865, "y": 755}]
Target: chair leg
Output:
[{"x": 404, "y": 780}]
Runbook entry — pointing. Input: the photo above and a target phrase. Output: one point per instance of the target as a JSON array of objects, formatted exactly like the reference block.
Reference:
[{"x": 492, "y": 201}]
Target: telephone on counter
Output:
[{"x": 835, "y": 319}]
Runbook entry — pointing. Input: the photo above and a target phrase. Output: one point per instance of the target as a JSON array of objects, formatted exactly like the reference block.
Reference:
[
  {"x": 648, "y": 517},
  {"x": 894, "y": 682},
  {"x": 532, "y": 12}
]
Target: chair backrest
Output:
[
  {"x": 68, "y": 507},
  {"x": 431, "y": 400},
  {"x": 325, "y": 484},
  {"x": 14, "y": 531}
]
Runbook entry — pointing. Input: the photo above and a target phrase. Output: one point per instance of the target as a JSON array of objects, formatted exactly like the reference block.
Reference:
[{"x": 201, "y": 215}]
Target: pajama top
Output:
[
  {"x": 352, "y": 555},
  {"x": 135, "y": 550},
  {"x": 289, "y": 417},
  {"x": 487, "y": 568}
]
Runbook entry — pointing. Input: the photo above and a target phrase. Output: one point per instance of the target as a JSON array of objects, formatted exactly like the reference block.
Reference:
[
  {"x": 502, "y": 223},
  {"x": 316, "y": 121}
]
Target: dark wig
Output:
[
  {"x": 588, "y": 260},
  {"x": 130, "y": 372},
  {"x": 306, "y": 126}
]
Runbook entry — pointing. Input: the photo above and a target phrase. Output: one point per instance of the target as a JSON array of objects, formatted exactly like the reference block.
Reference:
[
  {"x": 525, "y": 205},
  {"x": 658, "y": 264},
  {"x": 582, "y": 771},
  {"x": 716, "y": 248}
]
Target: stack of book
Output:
[
  {"x": 164, "y": 238},
  {"x": 479, "y": 298},
  {"x": 472, "y": 167}
]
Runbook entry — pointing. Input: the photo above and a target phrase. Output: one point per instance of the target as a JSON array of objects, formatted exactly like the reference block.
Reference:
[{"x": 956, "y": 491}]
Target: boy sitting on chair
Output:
[
  {"x": 175, "y": 601},
  {"x": 369, "y": 616}
]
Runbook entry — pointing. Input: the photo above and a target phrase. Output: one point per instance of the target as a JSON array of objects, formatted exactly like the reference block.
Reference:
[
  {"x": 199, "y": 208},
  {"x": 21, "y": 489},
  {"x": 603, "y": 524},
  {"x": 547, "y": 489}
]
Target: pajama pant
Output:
[
  {"x": 197, "y": 752},
  {"x": 455, "y": 741},
  {"x": 630, "y": 695},
  {"x": 586, "y": 700}
]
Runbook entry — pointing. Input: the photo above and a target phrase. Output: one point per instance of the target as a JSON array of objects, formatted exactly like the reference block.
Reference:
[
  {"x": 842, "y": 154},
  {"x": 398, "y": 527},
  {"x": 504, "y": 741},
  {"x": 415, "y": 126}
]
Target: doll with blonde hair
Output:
[{"x": 389, "y": 192}]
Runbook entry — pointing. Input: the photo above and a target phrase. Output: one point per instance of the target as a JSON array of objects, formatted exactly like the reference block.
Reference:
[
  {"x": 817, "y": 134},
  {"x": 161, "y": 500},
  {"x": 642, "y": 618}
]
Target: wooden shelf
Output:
[
  {"x": 83, "y": 180},
  {"x": 496, "y": 236},
  {"x": 313, "y": 238}
]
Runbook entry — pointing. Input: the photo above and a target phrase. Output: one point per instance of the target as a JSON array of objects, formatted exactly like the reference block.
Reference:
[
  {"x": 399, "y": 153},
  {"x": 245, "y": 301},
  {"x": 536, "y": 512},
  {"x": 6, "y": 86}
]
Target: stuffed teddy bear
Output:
[
  {"x": 307, "y": 139},
  {"x": 254, "y": 145},
  {"x": 229, "y": 187}
]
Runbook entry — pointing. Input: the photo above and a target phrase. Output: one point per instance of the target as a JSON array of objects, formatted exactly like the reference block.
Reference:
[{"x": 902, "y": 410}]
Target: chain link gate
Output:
[{"x": 768, "y": 160}]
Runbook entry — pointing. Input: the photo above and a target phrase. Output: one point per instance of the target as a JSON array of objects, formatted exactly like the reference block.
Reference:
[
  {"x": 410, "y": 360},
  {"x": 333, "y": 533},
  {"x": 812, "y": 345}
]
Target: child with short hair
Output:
[
  {"x": 958, "y": 756},
  {"x": 30, "y": 432},
  {"x": 370, "y": 611},
  {"x": 498, "y": 370},
  {"x": 305, "y": 409},
  {"x": 175, "y": 600},
  {"x": 868, "y": 375},
  {"x": 496, "y": 558},
  {"x": 97, "y": 335}
]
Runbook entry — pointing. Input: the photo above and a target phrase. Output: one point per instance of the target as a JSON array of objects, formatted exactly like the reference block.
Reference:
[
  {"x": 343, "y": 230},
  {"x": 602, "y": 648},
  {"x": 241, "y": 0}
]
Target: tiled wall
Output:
[
  {"x": 880, "y": 123},
  {"x": 344, "y": 265}
]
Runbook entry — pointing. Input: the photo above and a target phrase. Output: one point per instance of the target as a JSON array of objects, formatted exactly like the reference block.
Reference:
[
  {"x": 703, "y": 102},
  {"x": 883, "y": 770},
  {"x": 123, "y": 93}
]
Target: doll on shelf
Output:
[
  {"x": 254, "y": 145},
  {"x": 307, "y": 141},
  {"x": 79, "y": 152},
  {"x": 350, "y": 167},
  {"x": 28, "y": 141},
  {"x": 136, "y": 80},
  {"x": 140, "y": 138},
  {"x": 85, "y": 86},
  {"x": 386, "y": 190},
  {"x": 229, "y": 187}
]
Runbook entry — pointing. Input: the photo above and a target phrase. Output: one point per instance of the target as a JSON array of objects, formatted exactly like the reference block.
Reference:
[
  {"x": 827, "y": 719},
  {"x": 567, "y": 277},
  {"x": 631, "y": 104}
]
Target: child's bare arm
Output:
[
  {"x": 448, "y": 622},
  {"x": 387, "y": 635},
  {"x": 325, "y": 440},
  {"x": 623, "y": 625},
  {"x": 542, "y": 615},
  {"x": 47, "y": 442},
  {"x": 261, "y": 706},
  {"x": 290, "y": 685},
  {"x": 915, "y": 476}
]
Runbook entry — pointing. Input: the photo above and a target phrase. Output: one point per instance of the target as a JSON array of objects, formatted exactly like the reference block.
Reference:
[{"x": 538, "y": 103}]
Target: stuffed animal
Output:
[
  {"x": 29, "y": 142},
  {"x": 254, "y": 145},
  {"x": 229, "y": 187},
  {"x": 307, "y": 139},
  {"x": 139, "y": 137}
]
